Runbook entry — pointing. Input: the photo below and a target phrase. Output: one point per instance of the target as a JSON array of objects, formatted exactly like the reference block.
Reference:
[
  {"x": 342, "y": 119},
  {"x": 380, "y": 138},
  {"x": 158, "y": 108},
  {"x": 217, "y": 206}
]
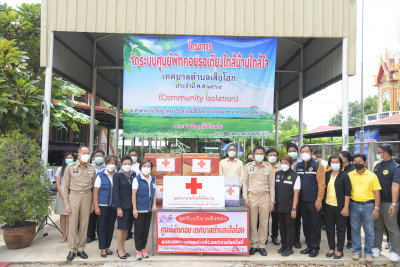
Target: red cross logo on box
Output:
[
  {"x": 230, "y": 191},
  {"x": 166, "y": 163},
  {"x": 201, "y": 163},
  {"x": 193, "y": 186}
]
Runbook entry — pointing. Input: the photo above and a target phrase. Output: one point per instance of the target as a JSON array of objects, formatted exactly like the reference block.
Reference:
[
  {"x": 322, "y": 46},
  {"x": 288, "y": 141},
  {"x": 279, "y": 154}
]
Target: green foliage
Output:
[
  {"x": 23, "y": 182},
  {"x": 289, "y": 124}
]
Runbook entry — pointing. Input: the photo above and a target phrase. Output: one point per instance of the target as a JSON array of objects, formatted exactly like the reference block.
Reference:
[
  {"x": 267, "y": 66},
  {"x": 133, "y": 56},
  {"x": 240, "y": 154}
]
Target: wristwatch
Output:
[
  {"x": 394, "y": 204},
  {"x": 294, "y": 209},
  {"x": 377, "y": 208}
]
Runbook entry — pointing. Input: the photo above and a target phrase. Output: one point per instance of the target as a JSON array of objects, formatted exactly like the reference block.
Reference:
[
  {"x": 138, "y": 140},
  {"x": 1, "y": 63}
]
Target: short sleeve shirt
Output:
[
  {"x": 97, "y": 182},
  {"x": 364, "y": 185},
  {"x": 58, "y": 174},
  {"x": 135, "y": 183}
]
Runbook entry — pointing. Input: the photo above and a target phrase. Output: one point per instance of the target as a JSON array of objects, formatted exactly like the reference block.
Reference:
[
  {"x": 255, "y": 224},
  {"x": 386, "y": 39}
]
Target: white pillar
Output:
[
  {"x": 93, "y": 109},
  {"x": 149, "y": 144},
  {"x": 47, "y": 103},
  {"x": 345, "y": 99},
  {"x": 301, "y": 99},
  {"x": 277, "y": 117},
  {"x": 244, "y": 149},
  {"x": 117, "y": 120}
]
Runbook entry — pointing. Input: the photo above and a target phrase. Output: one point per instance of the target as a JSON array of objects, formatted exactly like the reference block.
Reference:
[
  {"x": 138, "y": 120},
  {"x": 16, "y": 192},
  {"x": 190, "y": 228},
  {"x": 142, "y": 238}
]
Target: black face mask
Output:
[
  {"x": 250, "y": 160},
  {"x": 358, "y": 166}
]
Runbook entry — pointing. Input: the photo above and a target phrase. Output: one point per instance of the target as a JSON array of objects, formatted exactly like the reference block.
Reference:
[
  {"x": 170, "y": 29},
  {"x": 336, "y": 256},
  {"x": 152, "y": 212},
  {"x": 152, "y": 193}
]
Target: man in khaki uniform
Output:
[
  {"x": 259, "y": 196},
  {"x": 78, "y": 184}
]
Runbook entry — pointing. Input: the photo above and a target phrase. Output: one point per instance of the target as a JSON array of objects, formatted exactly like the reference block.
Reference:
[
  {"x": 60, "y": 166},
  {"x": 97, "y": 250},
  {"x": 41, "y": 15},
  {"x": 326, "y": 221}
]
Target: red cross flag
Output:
[
  {"x": 201, "y": 165},
  {"x": 232, "y": 192},
  {"x": 165, "y": 165}
]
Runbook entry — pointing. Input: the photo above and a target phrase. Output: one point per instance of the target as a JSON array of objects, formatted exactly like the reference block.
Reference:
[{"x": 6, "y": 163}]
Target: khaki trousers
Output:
[
  {"x": 259, "y": 211},
  {"x": 80, "y": 212}
]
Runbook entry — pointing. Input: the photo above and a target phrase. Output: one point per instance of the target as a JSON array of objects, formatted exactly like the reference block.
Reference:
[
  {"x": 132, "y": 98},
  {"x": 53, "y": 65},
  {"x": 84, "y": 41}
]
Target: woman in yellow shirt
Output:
[{"x": 337, "y": 199}]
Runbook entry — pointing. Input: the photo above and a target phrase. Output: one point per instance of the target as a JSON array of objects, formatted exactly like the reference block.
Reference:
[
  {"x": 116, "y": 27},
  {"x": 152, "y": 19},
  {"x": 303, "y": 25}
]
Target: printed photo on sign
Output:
[
  {"x": 165, "y": 165},
  {"x": 201, "y": 165}
]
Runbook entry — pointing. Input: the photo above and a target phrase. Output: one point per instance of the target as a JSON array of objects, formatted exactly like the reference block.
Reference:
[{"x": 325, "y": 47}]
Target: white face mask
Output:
[
  {"x": 232, "y": 153},
  {"x": 126, "y": 168},
  {"x": 259, "y": 158},
  {"x": 272, "y": 159},
  {"x": 85, "y": 157},
  {"x": 285, "y": 167},
  {"x": 305, "y": 156},
  {"x": 146, "y": 170},
  {"x": 110, "y": 167},
  {"x": 134, "y": 159}
]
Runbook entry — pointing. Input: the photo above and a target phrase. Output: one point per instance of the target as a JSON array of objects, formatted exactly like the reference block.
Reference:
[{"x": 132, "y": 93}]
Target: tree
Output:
[{"x": 287, "y": 125}]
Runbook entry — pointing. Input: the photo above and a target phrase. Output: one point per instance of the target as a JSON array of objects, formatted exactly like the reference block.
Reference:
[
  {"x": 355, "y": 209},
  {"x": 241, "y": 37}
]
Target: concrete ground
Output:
[{"x": 49, "y": 251}]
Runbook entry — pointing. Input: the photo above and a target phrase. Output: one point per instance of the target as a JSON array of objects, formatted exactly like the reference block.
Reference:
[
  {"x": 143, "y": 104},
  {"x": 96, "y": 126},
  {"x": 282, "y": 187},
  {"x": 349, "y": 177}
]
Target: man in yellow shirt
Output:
[
  {"x": 231, "y": 167},
  {"x": 364, "y": 206}
]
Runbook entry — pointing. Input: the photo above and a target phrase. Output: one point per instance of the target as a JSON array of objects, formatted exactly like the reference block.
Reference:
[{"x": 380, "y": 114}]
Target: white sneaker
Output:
[
  {"x": 394, "y": 256},
  {"x": 376, "y": 252}
]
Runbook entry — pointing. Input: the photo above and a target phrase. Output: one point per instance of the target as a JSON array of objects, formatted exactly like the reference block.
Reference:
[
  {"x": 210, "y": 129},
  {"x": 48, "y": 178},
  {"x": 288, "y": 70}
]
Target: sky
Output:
[{"x": 381, "y": 28}]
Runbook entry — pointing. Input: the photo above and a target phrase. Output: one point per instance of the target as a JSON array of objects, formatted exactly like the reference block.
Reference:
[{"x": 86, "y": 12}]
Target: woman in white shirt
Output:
[{"x": 60, "y": 209}]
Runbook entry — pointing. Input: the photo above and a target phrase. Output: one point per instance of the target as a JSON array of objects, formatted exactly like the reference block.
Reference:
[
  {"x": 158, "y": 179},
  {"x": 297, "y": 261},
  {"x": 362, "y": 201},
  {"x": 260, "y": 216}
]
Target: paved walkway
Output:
[{"x": 48, "y": 250}]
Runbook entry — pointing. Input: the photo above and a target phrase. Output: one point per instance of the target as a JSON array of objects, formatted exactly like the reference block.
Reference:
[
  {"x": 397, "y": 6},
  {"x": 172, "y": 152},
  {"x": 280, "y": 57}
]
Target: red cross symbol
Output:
[
  {"x": 166, "y": 163},
  {"x": 201, "y": 163},
  {"x": 162, "y": 189},
  {"x": 230, "y": 191},
  {"x": 193, "y": 186}
]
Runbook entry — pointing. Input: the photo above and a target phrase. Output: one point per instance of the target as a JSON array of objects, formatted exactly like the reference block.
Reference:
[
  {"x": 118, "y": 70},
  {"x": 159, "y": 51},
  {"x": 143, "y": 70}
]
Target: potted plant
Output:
[{"x": 24, "y": 199}]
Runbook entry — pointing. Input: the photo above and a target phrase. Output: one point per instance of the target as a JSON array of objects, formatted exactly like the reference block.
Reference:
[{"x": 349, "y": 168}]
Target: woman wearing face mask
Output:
[
  {"x": 337, "y": 199},
  {"x": 122, "y": 193},
  {"x": 143, "y": 202},
  {"x": 287, "y": 190},
  {"x": 104, "y": 205},
  {"x": 135, "y": 165},
  {"x": 60, "y": 208}
]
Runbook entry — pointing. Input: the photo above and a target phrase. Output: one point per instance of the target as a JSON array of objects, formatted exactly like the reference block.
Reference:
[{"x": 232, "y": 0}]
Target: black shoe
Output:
[
  {"x": 287, "y": 252},
  {"x": 103, "y": 255},
  {"x": 323, "y": 226},
  {"x": 263, "y": 252},
  {"x": 349, "y": 246},
  {"x": 328, "y": 255},
  {"x": 282, "y": 249},
  {"x": 314, "y": 253},
  {"x": 127, "y": 255},
  {"x": 121, "y": 257},
  {"x": 297, "y": 244},
  {"x": 70, "y": 256},
  {"x": 82, "y": 254},
  {"x": 306, "y": 251},
  {"x": 129, "y": 236},
  {"x": 89, "y": 240},
  {"x": 109, "y": 253},
  {"x": 275, "y": 241},
  {"x": 336, "y": 257},
  {"x": 253, "y": 251}
]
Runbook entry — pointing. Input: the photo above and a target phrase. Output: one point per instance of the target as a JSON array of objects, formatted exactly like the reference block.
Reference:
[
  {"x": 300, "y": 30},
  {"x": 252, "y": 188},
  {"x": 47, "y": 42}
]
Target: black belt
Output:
[{"x": 363, "y": 202}]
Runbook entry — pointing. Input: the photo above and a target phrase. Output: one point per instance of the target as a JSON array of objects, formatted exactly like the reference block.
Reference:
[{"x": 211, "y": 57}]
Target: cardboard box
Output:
[
  {"x": 200, "y": 164},
  {"x": 159, "y": 189},
  {"x": 165, "y": 164}
]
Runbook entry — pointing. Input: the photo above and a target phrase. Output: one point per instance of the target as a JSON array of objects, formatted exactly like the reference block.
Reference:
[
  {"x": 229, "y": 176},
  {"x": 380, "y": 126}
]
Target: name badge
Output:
[
  {"x": 154, "y": 186},
  {"x": 288, "y": 182},
  {"x": 277, "y": 180}
]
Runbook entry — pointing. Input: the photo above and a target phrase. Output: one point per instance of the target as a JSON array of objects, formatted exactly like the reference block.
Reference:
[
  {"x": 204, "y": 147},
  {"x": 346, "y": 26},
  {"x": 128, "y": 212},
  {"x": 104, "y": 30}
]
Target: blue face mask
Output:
[
  {"x": 335, "y": 166},
  {"x": 99, "y": 160},
  {"x": 69, "y": 161}
]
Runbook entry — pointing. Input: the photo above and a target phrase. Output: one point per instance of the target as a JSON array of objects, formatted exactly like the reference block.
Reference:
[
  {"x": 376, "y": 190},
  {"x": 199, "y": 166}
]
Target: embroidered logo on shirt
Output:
[
  {"x": 289, "y": 177},
  {"x": 385, "y": 172},
  {"x": 75, "y": 170},
  {"x": 278, "y": 176},
  {"x": 310, "y": 169}
]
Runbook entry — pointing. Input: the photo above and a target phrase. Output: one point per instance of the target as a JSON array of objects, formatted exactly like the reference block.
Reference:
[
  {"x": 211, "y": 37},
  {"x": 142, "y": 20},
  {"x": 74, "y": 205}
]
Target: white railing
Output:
[{"x": 379, "y": 116}]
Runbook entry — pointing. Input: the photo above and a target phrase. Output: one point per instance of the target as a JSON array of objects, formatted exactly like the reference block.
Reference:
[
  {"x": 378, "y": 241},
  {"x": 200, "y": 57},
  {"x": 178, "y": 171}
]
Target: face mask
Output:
[
  {"x": 69, "y": 161},
  {"x": 134, "y": 159},
  {"x": 378, "y": 157},
  {"x": 293, "y": 155},
  {"x": 110, "y": 167},
  {"x": 359, "y": 166},
  {"x": 284, "y": 167},
  {"x": 259, "y": 158},
  {"x": 319, "y": 159},
  {"x": 305, "y": 156},
  {"x": 250, "y": 160},
  {"x": 335, "y": 166},
  {"x": 99, "y": 160},
  {"x": 85, "y": 157},
  {"x": 231, "y": 154},
  {"x": 126, "y": 168},
  {"x": 272, "y": 159},
  {"x": 146, "y": 170}
]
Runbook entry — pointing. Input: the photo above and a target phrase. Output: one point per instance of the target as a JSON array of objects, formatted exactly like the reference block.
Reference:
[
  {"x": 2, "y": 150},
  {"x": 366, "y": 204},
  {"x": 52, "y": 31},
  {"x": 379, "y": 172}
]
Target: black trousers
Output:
[
  {"x": 93, "y": 225},
  {"x": 275, "y": 223},
  {"x": 142, "y": 227},
  {"x": 287, "y": 229},
  {"x": 334, "y": 218},
  {"x": 105, "y": 228},
  {"x": 297, "y": 225},
  {"x": 311, "y": 224},
  {"x": 348, "y": 228},
  {"x": 130, "y": 226}
]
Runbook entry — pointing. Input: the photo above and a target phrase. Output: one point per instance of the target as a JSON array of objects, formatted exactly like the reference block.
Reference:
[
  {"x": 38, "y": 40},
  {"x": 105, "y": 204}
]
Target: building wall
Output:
[{"x": 240, "y": 18}]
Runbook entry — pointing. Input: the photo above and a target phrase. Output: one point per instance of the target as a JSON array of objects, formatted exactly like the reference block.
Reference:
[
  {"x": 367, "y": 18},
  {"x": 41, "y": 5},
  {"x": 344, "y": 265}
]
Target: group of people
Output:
[
  {"x": 344, "y": 194},
  {"x": 97, "y": 194}
]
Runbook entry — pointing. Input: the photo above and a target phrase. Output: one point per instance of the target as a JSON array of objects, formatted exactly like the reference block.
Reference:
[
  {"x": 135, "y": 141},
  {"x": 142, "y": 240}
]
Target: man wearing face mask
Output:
[
  {"x": 388, "y": 173},
  {"x": 272, "y": 156},
  {"x": 364, "y": 207},
  {"x": 312, "y": 175},
  {"x": 231, "y": 166},
  {"x": 259, "y": 197},
  {"x": 78, "y": 184},
  {"x": 135, "y": 157},
  {"x": 99, "y": 166}
]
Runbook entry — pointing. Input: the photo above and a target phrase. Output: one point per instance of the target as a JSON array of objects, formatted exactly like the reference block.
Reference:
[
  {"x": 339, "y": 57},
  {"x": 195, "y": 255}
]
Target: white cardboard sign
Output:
[
  {"x": 165, "y": 165},
  {"x": 201, "y": 165}
]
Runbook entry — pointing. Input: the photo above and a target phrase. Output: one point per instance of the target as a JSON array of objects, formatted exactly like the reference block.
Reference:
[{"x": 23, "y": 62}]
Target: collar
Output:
[
  {"x": 364, "y": 173},
  {"x": 386, "y": 162},
  {"x": 234, "y": 160},
  {"x": 107, "y": 173},
  {"x": 144, "y": 178},
  {"x": 101, "y": 167}
]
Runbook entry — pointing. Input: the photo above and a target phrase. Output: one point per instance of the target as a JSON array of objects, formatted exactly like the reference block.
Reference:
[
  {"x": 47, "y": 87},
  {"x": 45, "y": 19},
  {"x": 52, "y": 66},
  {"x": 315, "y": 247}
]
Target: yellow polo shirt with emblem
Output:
[
  {"x": 364, "y": 185},
  {"x": 275, "y": 168}
]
